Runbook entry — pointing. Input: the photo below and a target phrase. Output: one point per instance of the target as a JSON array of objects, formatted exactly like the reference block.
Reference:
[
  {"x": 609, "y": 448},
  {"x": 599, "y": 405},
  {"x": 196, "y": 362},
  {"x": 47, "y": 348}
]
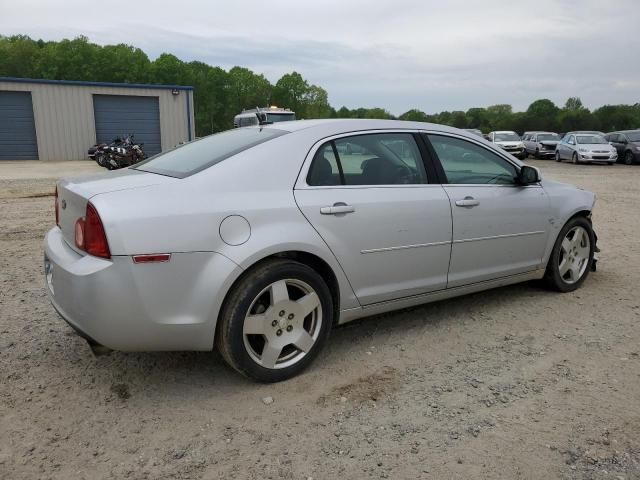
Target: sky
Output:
[{"x": 398, "y": 55}]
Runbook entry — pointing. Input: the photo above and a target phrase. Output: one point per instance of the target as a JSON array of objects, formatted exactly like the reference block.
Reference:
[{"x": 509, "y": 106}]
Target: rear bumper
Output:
[{"x": 138, "y": 307}]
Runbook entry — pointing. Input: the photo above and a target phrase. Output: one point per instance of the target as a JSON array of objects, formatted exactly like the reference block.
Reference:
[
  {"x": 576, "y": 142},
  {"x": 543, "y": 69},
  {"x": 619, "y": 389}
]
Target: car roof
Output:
[
  {"x": 334, "y": 126},
  {"x": 505, "y": 131},
  {"x": 627, "y": 131}
]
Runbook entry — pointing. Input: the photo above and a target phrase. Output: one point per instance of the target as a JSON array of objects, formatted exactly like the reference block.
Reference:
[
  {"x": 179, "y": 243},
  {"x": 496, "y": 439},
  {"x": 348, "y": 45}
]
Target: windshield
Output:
[
  {"x": 195, "y": 156},
  {"x": 280, "y": 117},
  {"x": 634, "y": 136},
  {"x": 590, "y": 139},
  {"x": 506, "y": 137},
  {"x": 548, "y": 136}
]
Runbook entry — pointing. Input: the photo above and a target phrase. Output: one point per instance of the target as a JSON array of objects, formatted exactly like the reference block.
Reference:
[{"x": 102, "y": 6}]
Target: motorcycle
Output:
[{"x": 121, "y": 153}]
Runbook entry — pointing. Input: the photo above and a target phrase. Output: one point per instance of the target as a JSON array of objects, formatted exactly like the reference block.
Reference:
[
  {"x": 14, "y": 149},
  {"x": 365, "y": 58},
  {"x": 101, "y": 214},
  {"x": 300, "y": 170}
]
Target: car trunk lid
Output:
[{"x": 75, "y": 193}]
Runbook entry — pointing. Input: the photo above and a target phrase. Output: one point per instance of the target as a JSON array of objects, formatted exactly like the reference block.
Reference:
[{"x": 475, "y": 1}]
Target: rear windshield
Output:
[{"x": 195, "y": 156}]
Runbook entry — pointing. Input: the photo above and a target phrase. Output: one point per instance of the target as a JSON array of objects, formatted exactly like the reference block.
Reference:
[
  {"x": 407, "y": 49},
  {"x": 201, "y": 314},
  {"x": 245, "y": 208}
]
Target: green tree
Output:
[
  {"x": 414, "y": 115},
  {"x": 542, "y": 115}
]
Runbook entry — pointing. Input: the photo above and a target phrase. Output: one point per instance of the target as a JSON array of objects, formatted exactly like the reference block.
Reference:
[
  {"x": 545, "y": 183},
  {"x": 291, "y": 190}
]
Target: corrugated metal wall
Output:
[{"x": 64, "y": 117}]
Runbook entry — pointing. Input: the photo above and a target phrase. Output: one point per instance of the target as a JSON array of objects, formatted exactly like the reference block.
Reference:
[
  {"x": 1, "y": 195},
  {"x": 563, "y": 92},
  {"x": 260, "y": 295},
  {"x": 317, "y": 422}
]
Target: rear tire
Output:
[
  {"x": 275, "y": 321},
  {"x": 572, "y": 256}
]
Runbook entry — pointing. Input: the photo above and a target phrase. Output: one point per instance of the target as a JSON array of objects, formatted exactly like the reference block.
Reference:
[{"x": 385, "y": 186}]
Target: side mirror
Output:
[{"x": 528, "y": 175}]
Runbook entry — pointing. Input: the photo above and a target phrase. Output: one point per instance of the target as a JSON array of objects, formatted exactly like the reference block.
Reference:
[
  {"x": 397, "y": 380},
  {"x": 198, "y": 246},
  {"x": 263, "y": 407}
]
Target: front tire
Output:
[
  {"x": 558, "y": 157},
  {"x": 574, "y": 158},
  {"x": 628, "y": 158},
  {"x": 572, "y": 256},
  {"x": 275, "y": 321}
]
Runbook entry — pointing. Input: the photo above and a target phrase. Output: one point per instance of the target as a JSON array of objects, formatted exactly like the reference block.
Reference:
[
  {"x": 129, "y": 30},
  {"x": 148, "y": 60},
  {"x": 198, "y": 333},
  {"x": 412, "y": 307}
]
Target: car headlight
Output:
[{"x": 583, "y": 150}]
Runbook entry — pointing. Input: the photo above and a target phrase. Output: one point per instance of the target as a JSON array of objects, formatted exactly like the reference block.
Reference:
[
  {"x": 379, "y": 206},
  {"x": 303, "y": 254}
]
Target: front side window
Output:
[
  {"x": 370, "y": 159},
  {"x": 470, "y": 164}
]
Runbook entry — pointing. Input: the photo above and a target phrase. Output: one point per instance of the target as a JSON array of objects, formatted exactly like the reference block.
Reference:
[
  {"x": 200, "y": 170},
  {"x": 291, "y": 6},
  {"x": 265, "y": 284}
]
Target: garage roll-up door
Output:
[
  {"x": 121, "y": 115},
  {"x": 17, "y": 128}
]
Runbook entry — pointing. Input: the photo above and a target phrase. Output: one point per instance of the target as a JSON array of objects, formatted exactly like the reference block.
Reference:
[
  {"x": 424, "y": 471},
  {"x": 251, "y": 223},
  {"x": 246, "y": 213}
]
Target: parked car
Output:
[
  {"x": 508, "y": 141},
  {"x": 627, "y": 144},
  {"x": 541, "y": 144},
  {"x": 249, "y": 240},
  {"x": 585, "y": 148}
]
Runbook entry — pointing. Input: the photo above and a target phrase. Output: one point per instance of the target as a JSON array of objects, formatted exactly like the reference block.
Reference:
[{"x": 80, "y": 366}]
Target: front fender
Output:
[{"x": 566, "y": 201}]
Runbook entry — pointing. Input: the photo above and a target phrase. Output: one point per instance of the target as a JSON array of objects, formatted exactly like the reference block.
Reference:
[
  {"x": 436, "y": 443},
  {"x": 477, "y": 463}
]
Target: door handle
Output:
[
  {"x": 467, "y": 202},
  {"x": 337, "y": 208}
]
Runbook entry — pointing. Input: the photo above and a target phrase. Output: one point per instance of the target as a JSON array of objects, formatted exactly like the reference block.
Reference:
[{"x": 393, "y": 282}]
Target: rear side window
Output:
[
  {"x": 195, "y": 156},
  {"x": 370, "y": 159}
]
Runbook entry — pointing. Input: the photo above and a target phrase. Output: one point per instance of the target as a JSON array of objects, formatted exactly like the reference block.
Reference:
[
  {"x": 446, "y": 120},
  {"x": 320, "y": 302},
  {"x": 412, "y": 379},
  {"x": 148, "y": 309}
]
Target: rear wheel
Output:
[
  {"x": 275, "y": 321},
  {"x": 572, "y": 256},
  {"x": 628, "y": 158}
]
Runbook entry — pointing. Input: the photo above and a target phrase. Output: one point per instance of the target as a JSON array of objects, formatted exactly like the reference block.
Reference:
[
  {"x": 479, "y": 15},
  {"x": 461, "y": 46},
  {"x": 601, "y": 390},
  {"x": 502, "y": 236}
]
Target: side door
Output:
[
  {"x": 381, "y": 210},
  {"x": 499, "y": 228}
]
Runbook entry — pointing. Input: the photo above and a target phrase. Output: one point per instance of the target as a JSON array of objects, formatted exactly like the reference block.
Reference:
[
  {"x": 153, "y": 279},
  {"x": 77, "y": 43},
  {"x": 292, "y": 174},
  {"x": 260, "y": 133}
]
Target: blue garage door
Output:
[
  {"x": 121, "y": 115},
  {"x": 17, "y": 128}
]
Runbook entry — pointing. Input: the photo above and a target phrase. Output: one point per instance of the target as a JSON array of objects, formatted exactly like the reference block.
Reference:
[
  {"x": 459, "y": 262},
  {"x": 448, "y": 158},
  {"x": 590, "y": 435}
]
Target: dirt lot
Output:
[{"x": 518, "y": 382}]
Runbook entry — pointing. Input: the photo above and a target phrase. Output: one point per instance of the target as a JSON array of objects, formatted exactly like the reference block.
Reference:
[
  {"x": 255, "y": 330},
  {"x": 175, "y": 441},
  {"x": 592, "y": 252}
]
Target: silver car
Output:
[
  {"x": 258, "y": 240},
  {"x": 585, "y": 148},
  {"x": 541, "y": 144},
  {"x": 509, "y": 141}
]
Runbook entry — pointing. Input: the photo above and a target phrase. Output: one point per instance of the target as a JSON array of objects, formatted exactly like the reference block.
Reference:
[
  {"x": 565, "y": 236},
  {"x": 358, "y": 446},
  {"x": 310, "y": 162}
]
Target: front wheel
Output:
[
  {"x": 558, "y": 158},
  {"x": 628, "y": 158},
  {"x": 574, "y": 158},
  {"x": 275, "y": 321},
  {"x": 572, "y": 256}
]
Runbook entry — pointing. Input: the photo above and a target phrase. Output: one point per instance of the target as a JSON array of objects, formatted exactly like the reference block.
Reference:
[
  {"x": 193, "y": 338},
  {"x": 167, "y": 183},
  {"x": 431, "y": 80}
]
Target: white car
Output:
[
  {"x": 585, "y": 148},
  {"x": 259, "y": 239},
  {"x": 508, "y": 141}
]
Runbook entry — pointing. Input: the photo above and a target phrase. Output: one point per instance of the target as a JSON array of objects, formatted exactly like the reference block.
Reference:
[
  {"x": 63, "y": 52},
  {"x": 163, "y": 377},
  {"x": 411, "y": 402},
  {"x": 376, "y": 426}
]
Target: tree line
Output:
[{"x": 220, "y": 94}]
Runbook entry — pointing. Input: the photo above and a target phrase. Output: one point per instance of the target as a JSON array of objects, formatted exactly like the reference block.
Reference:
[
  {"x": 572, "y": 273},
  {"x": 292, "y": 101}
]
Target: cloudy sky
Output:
[{"x": 400, "y": 54}]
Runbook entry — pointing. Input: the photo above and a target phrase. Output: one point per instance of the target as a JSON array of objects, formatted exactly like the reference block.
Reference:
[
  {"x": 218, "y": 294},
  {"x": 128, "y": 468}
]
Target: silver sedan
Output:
[
  {"x": 585, "y": 148},
  {"x": 258, "y": 240}
]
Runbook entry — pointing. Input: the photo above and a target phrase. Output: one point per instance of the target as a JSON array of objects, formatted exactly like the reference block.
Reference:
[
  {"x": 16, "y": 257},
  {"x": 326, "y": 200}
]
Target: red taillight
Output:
[
  {"x": 90, "y": 235},
  {"x": 57, "y": 207},
  {"x": 95, "y": 238}
]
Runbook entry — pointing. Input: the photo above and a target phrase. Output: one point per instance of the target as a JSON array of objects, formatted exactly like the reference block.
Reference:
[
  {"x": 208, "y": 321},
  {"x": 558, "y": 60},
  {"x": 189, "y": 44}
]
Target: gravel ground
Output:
[{"x": 518, "y": 382}]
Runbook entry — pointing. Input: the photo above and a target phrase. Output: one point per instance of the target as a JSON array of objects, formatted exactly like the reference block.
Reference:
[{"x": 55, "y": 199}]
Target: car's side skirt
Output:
[{"x": 383, "y": 307}]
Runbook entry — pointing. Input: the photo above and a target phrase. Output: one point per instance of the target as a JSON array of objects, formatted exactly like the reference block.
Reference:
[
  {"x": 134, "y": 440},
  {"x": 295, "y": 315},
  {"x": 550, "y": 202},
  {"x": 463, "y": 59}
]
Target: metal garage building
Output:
[{"x": 60, "y": 119}]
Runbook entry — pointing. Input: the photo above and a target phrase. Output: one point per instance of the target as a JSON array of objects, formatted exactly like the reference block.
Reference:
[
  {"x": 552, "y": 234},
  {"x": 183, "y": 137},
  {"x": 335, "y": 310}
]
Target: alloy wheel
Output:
[
  {"x": 574, "y": 255},
  {"x": 282, "y": 324}
]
